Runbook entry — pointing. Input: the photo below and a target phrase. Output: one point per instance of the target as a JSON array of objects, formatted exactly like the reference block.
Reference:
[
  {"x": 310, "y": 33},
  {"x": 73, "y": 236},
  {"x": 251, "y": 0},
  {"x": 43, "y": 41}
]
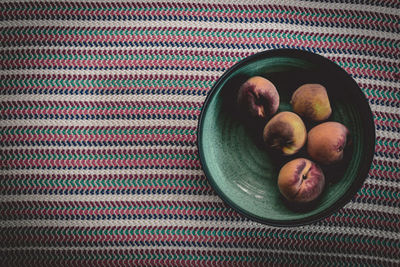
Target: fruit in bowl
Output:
[
  {"x": 258, "y": 97},
  {"x": 326, "y": 142},
  {"x": 311, "y": 101},
  {"x": 285, "y": 133},
  {"x": 245, "y": 174},
  {"x": 301, "y": 180}
]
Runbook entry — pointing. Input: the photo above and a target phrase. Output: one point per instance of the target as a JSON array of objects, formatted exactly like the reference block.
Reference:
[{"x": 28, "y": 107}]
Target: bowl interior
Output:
[{"x": 245, "y": 174}]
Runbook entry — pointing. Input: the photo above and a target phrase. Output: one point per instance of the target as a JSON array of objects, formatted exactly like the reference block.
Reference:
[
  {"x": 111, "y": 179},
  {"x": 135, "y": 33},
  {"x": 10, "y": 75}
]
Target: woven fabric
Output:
[{"x": 99, "y": 103}]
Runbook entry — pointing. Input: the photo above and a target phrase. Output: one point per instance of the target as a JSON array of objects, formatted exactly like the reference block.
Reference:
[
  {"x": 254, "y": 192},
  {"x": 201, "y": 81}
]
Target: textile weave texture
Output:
[{"x": 99, "y": 103}]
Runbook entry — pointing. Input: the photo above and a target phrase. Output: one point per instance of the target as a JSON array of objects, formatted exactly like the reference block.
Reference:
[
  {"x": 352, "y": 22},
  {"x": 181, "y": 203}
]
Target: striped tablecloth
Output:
[{"x": 99, "y": 103}]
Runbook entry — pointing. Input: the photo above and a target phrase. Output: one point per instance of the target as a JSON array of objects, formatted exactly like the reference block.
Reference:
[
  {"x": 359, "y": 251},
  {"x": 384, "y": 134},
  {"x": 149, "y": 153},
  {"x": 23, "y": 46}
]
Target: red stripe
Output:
[
  {"x": 380, "y": 88},
  {"x": 98, "y": 108},
  {"x": 63, "y": 61},
  {"x": 387, "y": 119},
  {"x": 392, "y": 147},
  {"x": 393, "y": 124},
  {"x": 367, "y": 45},
  {"x": 365, "y": 71},
  {"x": 103, "y": 104},
  {"x": 97, "y": 164},
  {"x": 56, "y": 158},
  {"x": 387, "y": 101},
  {"x": 77, "y": 181},
  {"x": 77, "y": 78},
  {"x": 114, "y": 76},
  {"x": 41, "y": 210},
  {"x": 171, "y": 52},
  {"x": 387, "y": 115},
  {"x": 100, "y": 137},
  {"x": 97, "y": 138},
  {"x": 15, "y": 184},
  {"x": 121, "y": 129},
  {"x": 114, "y": 177},
  {"x": 109, "y": 64},
  {"x": 66, "y": 151},
  {"x": 184, "y": 257},
  {"x": 387, "y": 149},
  {"x": 141, "y": 87},
  {"x": 283, "y": 239},
  {"x": 383, "y": 195},
  {"x": 119, "y": 52},
  {"x": 355, "y": 17},
  {"x": 385, "y": 173},
  {"x": 386, "y": 163},
  {"x": 363, "y": 219}
]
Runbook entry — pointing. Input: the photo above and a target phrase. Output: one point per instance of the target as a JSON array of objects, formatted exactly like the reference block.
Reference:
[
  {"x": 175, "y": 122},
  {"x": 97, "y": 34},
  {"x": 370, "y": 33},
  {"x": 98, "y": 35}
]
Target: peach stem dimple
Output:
[{"x": 305, "y": 175}]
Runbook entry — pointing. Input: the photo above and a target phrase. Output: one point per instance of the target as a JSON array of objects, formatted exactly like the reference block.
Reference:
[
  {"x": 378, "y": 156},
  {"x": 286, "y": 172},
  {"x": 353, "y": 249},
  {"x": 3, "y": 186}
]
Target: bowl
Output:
[{"x": 244, "y": 174}]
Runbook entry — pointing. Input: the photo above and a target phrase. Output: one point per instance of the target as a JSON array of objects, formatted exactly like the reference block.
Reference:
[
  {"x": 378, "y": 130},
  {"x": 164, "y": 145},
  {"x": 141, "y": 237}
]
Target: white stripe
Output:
[
  {"x": 373, "y": 207},
  {"x": 380, "y": 108},
  {"x": 193, "y": 223},
  {"x": 383, "y": 182},
  {"x": 394, "y": 160},
  {"x": 386, "y": 159},
  {"x": 199, "y": 24},
  {"x": 312, "y": 4},
  {"x": 176, "y": 99},
  {"x": 381, "y": 133},
  {"x": 206, "y": 249},
  {"x": 388, "y": 134},
  {"x": 102, "y": 172},
  {"x": 350, "y": 230},
  {"x": 394, "y": 84},
  {"x": 351, "y": 56},
  {"x": 105, "y": 123}
]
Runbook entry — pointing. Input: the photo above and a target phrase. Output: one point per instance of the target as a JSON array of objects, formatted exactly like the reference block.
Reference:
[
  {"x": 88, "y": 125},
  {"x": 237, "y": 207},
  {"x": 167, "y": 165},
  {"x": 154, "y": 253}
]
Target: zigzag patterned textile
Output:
[{"x": 99, "y": 104}]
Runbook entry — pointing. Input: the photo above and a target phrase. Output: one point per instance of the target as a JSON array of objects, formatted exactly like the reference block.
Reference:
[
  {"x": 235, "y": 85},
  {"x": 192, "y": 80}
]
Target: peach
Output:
[
  {"x": 311, "y": 101},
  {"x": 301, "y": 180},
  {"x": 285, "y": 132},
  {"x": 326, "y": 142},
  {"x": 258, "y": 97}
]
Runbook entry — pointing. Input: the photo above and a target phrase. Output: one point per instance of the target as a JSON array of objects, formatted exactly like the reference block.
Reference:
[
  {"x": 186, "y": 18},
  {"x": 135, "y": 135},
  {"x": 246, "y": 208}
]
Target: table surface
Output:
[{"x": 99, "y": 103}]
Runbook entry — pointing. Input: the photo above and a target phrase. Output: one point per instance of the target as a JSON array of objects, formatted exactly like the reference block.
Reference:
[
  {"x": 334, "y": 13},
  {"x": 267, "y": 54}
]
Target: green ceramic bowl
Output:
[{"x": 244, "y": 174}]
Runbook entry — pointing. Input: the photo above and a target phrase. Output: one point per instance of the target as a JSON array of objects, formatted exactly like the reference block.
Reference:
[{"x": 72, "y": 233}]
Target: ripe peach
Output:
[
  {"x": 301, "y": 180},
  {"x": 285, "y": 132},
  {"x": 311, "y": 101},
  {"x": 326, "y": 142},
  {"x": 258, "y": 97}
]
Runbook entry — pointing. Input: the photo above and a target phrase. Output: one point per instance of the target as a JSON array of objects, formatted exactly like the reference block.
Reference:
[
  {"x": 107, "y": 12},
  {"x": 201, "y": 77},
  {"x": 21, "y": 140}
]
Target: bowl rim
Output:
[{"x": 367, "y": 120}]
